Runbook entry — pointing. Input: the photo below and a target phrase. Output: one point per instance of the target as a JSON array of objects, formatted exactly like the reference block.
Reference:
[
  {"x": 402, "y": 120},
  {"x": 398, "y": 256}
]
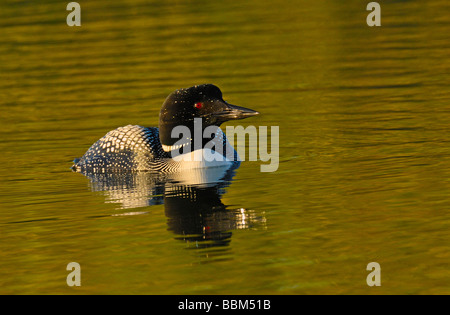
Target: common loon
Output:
[{"x": 135, "y": 148}]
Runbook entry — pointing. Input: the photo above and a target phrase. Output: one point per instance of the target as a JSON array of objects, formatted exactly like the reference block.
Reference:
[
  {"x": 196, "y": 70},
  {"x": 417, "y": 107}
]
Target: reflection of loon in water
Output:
[{"x": 192, "y": 201}]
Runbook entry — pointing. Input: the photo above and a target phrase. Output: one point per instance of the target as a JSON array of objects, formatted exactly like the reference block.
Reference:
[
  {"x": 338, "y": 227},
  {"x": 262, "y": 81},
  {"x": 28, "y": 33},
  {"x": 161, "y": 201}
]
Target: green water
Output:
[{"x": 364, "y": 146}]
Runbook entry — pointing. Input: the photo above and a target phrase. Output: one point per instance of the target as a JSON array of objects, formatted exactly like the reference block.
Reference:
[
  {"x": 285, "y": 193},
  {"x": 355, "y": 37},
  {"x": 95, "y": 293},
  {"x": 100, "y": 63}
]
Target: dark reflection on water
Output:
[{"x": 192, "y": 202}]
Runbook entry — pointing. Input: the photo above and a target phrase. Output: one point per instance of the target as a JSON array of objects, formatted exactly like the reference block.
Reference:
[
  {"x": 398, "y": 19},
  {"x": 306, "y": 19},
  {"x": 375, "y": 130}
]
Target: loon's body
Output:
[{"x": 135, "y": 148}]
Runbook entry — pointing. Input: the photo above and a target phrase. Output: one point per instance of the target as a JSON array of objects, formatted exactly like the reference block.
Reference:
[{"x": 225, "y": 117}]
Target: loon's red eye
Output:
[{"x": 198, "y": 105}]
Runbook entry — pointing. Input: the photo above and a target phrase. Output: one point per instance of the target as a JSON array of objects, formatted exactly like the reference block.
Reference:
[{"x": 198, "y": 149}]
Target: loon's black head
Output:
[{"x": 200, "y": 101}]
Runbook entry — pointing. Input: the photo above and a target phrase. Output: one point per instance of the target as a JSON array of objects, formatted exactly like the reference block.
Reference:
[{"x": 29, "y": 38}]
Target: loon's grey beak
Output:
[{"x": 235, "y": 112}]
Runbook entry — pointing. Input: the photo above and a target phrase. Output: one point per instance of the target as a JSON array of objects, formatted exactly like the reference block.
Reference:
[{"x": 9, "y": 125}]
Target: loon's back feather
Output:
[
  {"x": 129, "y": 148},
  {"x": 135, "y": 148}
]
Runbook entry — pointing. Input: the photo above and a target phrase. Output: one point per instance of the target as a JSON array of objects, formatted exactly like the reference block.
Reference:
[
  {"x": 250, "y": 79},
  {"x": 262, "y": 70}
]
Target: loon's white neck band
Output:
[{"x": 169, "y": 148}]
